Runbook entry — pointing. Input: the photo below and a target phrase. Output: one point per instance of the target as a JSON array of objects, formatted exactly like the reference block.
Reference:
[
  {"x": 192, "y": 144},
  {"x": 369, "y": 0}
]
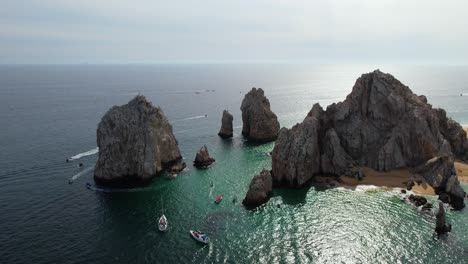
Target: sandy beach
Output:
[{"x": 391, "y": 179}]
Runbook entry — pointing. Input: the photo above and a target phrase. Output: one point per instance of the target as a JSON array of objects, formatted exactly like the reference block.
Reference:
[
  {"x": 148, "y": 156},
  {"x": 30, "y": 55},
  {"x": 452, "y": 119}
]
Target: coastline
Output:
[{"x": 391, "y": 179}]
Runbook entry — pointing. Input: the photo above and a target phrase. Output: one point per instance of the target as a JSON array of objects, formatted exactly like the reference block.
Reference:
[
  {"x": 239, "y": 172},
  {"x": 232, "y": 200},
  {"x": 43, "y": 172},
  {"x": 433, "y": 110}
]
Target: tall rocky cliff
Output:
[
  {"x": 260, "y": 124},
  {"x": 135, "y": 144},
  {"x": 383, "y": 125}
]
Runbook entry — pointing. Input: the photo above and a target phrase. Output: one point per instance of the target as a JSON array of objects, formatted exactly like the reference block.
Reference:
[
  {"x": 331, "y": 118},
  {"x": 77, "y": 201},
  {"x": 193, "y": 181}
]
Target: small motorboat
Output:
[
  {"x": 218, "y": 199},
  {"x": 162, "y": 223},
  {"x": 88, "y": 185},
  {"x": 70, "y": 181},
  {"x": 199, "y": 236}
]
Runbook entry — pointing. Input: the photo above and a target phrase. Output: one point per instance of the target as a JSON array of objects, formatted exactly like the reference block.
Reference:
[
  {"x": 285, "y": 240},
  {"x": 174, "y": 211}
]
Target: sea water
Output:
[{"x": 50, "y": 113}]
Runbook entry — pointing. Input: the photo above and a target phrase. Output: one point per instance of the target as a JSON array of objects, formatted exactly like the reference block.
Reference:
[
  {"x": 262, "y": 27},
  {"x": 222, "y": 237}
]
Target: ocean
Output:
[{"x": 49, "y": 113}]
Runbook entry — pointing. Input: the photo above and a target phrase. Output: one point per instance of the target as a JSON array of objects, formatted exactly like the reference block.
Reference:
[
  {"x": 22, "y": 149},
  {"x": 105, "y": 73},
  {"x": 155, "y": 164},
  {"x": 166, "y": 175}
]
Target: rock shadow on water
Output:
[{"x": 293, "y": 197}]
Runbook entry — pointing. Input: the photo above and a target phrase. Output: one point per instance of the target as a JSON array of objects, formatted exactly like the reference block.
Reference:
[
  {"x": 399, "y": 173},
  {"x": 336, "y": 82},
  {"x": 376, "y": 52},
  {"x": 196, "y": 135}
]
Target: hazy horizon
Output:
[{"x": 155, "y": 32}]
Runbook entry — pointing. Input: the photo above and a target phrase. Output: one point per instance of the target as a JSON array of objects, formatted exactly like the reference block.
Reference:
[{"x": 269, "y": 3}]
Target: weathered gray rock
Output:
[
  {"x": 441, "y": 225},
  {"x": 260, "y": 189},
  {"x": 381, "y": 125},
  {"x": 135, "y": 143},
  {"x": 203, "y": 159},
  {"x": 439, "y": 172},
  {"x": 260, "y": 124},
  {"x": 226, "y": 125}
]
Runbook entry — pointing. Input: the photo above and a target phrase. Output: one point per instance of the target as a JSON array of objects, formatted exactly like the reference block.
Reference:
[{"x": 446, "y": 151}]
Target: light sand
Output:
[
  {"x": 391, "y": 179},
  {"x": 462, "y": 171}
]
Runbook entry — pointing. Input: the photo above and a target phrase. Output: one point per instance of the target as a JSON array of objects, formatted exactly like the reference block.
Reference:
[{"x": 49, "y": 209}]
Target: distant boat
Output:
[
  {"x": 218, "y": 199},
  {"x": 199, "y": 236},
  {"x": 162, "y": 222},
  {"x": 88, "y": 185}
]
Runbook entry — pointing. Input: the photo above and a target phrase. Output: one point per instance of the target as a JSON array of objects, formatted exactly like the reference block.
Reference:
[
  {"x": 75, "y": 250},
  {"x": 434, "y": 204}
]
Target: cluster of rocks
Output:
[
  {"x": 136, "y": 141},
  {"x": 381, "y": 125}
]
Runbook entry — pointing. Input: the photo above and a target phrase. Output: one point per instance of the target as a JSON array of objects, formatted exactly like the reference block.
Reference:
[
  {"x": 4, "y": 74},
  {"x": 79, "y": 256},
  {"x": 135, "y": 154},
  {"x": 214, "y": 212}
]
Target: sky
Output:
[{"x": 224, "y": 31}]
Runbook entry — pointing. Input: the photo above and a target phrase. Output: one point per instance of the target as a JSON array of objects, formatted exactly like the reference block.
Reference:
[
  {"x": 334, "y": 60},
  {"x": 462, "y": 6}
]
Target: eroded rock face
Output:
[
  {"x": 226, "y": 125},
  {"x": 381, "y": 125},
  {"x": 441, "y": 225},
  {"x": 135, "y": 143},
  {"x": 439, "y": 172},
  {"x": 260, "y": 124},
  {"x": 260, "y": 189},
  {"x": 203, "y": 159}
]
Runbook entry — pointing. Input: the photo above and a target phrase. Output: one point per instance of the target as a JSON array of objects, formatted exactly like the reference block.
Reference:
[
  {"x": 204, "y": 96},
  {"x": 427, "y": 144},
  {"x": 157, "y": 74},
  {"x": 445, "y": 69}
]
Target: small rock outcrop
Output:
[
  {"x": 203, "y": 159},
  {"x": 417, "y": 200},
  {"x": 383, "y": 125},
  {"x": 226, "y": 130},
  {"x": 260, "y": 124},
  {"x": 441, "y": 225},
  {"x": 260, "y": 189},
  {"x": 135, "y": 143}
]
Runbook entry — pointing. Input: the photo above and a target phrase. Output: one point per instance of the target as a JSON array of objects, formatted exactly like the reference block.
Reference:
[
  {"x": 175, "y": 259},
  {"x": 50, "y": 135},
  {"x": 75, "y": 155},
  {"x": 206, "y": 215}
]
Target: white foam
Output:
[
  {"x": 84, "y": 154},
  {"x": 76, "y": 176},
  {"x": 365, "y": 188},
  {"x": 190, "y": 118}
]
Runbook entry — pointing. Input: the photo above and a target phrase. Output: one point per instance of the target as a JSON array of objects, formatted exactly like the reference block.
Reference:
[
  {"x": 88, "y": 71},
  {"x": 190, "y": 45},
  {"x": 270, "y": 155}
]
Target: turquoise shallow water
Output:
[{"x": 49, "y": 113}]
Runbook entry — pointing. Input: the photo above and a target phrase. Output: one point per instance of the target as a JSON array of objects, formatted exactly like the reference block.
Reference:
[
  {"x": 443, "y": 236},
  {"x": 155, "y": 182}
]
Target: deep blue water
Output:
[{"x": 50, "y": 113}]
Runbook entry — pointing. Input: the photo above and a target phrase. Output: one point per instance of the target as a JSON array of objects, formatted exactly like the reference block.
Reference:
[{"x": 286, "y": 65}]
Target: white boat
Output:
[
  {"x": 199, "y": 236},
  {"x": 162, "y": 223}
]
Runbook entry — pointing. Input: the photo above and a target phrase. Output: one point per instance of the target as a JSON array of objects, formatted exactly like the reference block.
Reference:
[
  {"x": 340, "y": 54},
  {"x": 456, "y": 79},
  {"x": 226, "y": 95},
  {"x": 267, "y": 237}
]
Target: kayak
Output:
[
  {"x": 162, "y": 223},
  {"x": 218, "y": 199},
  {"x": 199, "y": 236}
]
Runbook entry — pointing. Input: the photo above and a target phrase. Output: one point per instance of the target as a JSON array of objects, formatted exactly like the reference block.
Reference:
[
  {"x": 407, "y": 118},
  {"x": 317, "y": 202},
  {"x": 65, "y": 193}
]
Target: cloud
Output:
[{"x": 235, "y": 30}]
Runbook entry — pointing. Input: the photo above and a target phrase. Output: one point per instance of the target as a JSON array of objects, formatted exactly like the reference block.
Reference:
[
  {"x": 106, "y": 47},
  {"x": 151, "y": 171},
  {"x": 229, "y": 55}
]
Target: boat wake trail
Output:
[
  {"x": 76, "y": 176},
  {"x": 84, "y": 154},
  {"x": 190, "y": 118},
  {"x": 118, "y": 190}
]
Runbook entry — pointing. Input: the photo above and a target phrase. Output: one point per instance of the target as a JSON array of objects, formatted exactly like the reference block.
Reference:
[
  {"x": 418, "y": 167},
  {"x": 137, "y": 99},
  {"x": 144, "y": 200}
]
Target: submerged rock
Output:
[
  {"x": 226, "y": 125},
  {"x": 203, "y": 159},
  {"x": 260, "y": 124},
  {"x": 381, "y": 125},
  {"x": 135, "y": 143},
  {"x": 260, "y": 189},
  {"x": 441, "y": 225}
]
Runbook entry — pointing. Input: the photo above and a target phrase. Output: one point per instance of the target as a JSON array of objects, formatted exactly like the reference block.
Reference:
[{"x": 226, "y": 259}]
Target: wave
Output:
[
  {"x": 76, "y": 176},
  {"x": 84, "y": 154}
]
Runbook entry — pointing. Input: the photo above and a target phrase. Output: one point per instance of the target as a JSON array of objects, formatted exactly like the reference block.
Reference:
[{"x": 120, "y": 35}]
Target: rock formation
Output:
[
  {"x": 260, "y": 124},
  {"x": 439, "y": 172},
  {"x": 381, "y": 125},
  {"x": 260, "y": 189},
  {"x": 441, "y": 226},
  {"x": 203, "y": 159},
  {"x": 226, "y": 125},
  {"x": 135, "y": 143}
]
